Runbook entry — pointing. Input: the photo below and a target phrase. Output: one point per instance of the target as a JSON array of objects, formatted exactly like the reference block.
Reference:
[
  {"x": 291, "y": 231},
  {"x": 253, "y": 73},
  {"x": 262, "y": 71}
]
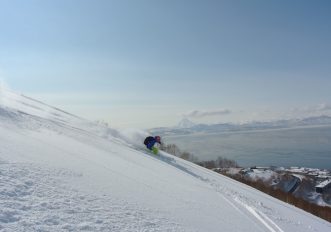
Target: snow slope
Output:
[{"x": 59, "y": 172}]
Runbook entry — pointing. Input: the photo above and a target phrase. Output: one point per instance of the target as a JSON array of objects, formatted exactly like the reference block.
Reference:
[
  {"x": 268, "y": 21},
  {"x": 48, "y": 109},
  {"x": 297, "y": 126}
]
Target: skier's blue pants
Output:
[{"x": 150, "y": 145}]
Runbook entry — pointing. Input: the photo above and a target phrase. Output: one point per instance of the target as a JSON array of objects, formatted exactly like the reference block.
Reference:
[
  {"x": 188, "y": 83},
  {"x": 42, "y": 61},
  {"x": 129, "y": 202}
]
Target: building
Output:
[{"x": 323, "y": 186}]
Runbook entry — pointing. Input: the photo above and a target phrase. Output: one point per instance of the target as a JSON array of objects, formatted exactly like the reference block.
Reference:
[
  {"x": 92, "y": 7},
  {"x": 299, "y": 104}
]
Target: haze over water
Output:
[{"x": 303, "y": 147}]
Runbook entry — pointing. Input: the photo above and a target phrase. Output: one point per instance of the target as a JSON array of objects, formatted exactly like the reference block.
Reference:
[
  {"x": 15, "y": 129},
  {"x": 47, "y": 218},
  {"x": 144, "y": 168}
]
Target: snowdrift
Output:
[{"x": 59, "y": 172}]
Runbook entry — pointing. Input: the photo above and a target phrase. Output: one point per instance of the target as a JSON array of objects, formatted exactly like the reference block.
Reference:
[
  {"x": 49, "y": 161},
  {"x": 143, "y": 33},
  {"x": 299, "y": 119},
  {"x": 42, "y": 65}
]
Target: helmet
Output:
[{"x": 158, "y": 139}]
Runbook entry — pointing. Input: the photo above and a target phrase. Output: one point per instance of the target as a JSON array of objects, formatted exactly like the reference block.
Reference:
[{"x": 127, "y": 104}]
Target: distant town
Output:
[{"x": 311, "y": 184}]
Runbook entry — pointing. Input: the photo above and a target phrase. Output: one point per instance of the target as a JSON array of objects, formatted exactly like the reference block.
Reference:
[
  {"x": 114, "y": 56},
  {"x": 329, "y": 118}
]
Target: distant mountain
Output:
[
  {"x": 185, "y": 123},
  {"x": 321, "y": 120},
  {"x": 185, "y": 126}
]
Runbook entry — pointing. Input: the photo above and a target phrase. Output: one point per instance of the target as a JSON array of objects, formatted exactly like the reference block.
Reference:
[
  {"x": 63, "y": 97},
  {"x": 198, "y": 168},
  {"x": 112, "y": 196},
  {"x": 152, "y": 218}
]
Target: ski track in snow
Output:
[
  {"x": 240, "y": 203},
  {"x": 36, "y": 199},
  {"x": 254, "y": 210},
  {"x": 265, "y": 218}
]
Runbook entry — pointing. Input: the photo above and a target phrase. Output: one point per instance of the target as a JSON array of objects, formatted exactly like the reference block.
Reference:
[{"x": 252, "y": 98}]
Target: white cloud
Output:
[
  {"x": 323, "y": 107},
  {"x": 313, "y": 109},
  {"x": 206, "y": 113},
  {"x": 309, "y": 111}
]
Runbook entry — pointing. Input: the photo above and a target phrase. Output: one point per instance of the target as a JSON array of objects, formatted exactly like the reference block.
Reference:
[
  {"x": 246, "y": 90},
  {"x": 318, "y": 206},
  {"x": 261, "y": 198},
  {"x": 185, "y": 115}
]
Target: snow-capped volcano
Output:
[
  {"x": 59, "y": 172},
  {"x": 185, "y": 123}
]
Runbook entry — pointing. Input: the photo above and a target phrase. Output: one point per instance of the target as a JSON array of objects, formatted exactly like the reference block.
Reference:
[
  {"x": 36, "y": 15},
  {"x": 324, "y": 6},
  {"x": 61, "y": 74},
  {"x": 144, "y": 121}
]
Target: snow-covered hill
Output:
[{"x": 59, "y": 172}]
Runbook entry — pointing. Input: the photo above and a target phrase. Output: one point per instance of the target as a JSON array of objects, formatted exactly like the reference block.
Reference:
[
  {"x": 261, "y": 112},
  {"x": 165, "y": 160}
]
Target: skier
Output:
[{"x": 150, "y": 142}]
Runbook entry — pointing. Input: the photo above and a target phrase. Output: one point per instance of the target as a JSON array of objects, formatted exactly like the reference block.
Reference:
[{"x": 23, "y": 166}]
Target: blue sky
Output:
[{"x": 147, "y": 63}]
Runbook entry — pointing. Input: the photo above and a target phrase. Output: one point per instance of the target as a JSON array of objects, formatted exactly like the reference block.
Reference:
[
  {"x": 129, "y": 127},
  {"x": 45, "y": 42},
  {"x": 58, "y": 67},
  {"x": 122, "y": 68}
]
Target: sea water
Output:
[{"x": 301, "y": 147}]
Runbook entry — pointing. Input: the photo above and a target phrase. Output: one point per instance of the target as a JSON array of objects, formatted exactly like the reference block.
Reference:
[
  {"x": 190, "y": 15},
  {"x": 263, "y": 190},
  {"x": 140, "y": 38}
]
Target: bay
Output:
[{"x": 301, "y": 147}]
